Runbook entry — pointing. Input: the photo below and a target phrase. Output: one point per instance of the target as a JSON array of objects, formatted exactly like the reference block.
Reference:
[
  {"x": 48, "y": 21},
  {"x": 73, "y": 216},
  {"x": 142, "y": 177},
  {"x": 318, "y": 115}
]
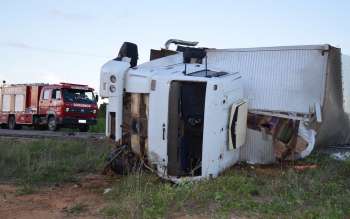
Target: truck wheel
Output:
[
  {"x": 52, "y": 124},
  {"x": 83, "y": 128},
  {"x": 12, "y": 123}
]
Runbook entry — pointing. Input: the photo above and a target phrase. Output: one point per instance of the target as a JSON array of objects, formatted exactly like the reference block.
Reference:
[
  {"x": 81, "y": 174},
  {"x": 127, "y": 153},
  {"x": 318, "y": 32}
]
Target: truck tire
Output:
[
  {"x": 12, "y": 123},
  {"x": 52, "y": 124},
  {"x": 83, "y": 128}
]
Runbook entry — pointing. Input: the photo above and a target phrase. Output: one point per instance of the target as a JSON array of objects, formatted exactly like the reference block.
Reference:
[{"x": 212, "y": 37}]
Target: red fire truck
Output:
[{"x": 52, "y": 106}]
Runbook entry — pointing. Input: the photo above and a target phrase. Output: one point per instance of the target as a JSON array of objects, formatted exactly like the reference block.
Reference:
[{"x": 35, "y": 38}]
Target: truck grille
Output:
[{"x": 81, "y": 110}]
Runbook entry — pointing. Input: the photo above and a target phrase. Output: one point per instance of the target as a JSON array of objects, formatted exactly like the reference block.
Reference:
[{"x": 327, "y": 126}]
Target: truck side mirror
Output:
[{"x": 96, "y": 97}]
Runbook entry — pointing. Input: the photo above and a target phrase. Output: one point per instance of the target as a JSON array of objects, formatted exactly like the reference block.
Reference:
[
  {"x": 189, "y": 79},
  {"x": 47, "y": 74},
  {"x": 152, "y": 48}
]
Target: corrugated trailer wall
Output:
[{"x": 284, "y": 79}]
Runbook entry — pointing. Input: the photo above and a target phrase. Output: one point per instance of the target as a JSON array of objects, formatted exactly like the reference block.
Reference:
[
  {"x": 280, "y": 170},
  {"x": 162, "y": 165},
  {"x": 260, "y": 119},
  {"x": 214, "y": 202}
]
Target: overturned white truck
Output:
[{"x": 191, "y": 113}]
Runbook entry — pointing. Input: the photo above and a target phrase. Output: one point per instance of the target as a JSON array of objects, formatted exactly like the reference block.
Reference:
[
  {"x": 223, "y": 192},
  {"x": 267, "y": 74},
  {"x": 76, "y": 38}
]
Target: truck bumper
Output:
[{"x": 70, "y": 121}]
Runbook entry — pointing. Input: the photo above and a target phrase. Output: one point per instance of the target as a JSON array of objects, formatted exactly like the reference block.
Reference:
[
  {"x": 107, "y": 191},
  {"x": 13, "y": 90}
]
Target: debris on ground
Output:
[
  {"x": 305, "y": 167},
  {"x": 344, "y": 155},
  {"x": 107, "y": 190},
  {"x": 338, "y": 152}
]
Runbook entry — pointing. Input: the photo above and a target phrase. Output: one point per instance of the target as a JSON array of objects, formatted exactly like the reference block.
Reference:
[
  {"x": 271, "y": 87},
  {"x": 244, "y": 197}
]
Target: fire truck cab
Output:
[{"x": 52, "y": 106}]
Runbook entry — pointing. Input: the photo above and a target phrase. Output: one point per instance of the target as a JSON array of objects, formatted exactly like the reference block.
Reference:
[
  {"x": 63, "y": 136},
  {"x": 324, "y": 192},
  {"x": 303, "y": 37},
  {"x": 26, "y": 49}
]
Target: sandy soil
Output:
[{"x": 56, "y": 202}]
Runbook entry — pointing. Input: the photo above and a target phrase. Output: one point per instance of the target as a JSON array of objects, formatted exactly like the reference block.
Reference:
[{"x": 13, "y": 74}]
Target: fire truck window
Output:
[
  {"x": 78, "y": 96},
  {"x": 56, "y": 94},
  {"x": 46, "y": 94}
]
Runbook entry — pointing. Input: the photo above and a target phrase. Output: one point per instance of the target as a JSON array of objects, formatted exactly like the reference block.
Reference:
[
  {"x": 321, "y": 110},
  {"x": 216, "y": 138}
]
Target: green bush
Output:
[{"x": 100, "y": 127}]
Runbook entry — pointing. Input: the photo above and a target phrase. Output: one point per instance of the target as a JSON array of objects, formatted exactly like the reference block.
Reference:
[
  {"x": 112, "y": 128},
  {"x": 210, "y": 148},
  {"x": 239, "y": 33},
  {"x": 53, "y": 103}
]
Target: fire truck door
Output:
[
  {"x": 45, "y": 100},
  {"x": 56, "y": 98}
]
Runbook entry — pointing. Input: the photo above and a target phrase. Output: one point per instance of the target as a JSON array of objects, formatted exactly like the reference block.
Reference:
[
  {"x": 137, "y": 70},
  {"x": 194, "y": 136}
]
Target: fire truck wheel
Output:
[
  {"x": 83, "y": 128},
  {"x": 12, "y": 122},
  {"x": 52, "y": 124}
]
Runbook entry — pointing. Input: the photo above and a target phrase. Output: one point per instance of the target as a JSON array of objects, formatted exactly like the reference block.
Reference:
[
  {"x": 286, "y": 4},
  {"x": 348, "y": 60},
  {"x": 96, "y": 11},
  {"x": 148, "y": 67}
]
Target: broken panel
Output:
[
  {"x": 135, "y": 122},
  {"x": 284, "y": 132}
]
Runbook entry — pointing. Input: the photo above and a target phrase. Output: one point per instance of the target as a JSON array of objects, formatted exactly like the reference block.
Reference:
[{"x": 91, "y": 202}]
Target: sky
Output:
[{"x": 68, "y": 41}]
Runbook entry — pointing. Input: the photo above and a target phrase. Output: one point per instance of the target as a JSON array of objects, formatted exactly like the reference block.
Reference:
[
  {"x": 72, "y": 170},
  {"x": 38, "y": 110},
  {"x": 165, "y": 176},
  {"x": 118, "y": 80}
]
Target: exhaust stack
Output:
[{"x": 180, "y": 42}]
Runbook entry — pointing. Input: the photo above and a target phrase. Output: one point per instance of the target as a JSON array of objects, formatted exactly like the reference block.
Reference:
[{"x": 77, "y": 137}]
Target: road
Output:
[{"x": 49, "y": 134}]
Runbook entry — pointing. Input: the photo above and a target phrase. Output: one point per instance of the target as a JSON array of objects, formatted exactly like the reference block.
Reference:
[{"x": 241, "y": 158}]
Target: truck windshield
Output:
[{"x": 78, "y": 96}]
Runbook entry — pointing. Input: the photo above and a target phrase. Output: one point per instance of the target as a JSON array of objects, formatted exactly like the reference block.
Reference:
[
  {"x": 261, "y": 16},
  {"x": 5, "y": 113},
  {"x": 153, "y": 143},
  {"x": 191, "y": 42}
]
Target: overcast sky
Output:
[{"x": 64, "y": 40}]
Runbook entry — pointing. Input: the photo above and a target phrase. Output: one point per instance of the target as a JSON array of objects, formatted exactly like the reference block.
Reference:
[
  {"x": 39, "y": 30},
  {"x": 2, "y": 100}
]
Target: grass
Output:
[
  {"x": 267, "y": 192},
  {"x": 36, "y": 162},
  {"x": 249, "y": 191}
]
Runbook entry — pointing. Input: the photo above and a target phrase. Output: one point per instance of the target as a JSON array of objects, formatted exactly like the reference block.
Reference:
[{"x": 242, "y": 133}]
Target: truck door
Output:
[
  {"x": 225, "y": 120},
  {"x": 56, "y": 101},
  {"x": 45, "y": 100}
]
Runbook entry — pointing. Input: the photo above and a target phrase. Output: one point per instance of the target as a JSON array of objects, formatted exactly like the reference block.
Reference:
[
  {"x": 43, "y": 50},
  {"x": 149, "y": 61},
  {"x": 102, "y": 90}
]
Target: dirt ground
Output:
[{"x": 79, "y": 200}]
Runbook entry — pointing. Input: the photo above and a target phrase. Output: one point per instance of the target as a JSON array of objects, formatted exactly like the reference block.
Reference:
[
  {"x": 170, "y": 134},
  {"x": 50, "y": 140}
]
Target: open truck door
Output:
[
  {"x": 225, "y": 124},
  {"x": 204, "y": 116}
]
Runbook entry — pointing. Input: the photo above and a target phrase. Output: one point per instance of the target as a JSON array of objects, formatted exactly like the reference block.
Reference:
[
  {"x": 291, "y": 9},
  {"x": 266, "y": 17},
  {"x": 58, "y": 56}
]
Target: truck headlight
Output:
[
  {"x": 94, "y": 111},
  {"x": 112, "y": 88},
  {"x": 113, "y": 78},
  {"x": 67, "y": 109}
]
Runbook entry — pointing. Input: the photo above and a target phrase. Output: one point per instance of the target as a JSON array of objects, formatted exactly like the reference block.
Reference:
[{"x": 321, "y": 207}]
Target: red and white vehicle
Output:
[{"x": 53, "y": 106}]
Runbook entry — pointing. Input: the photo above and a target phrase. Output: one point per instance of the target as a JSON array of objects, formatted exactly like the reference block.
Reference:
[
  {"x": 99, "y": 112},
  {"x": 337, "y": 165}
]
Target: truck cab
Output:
[
  {"x": 68, "y": 105},
  {"x": 185, "y": 120}
]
